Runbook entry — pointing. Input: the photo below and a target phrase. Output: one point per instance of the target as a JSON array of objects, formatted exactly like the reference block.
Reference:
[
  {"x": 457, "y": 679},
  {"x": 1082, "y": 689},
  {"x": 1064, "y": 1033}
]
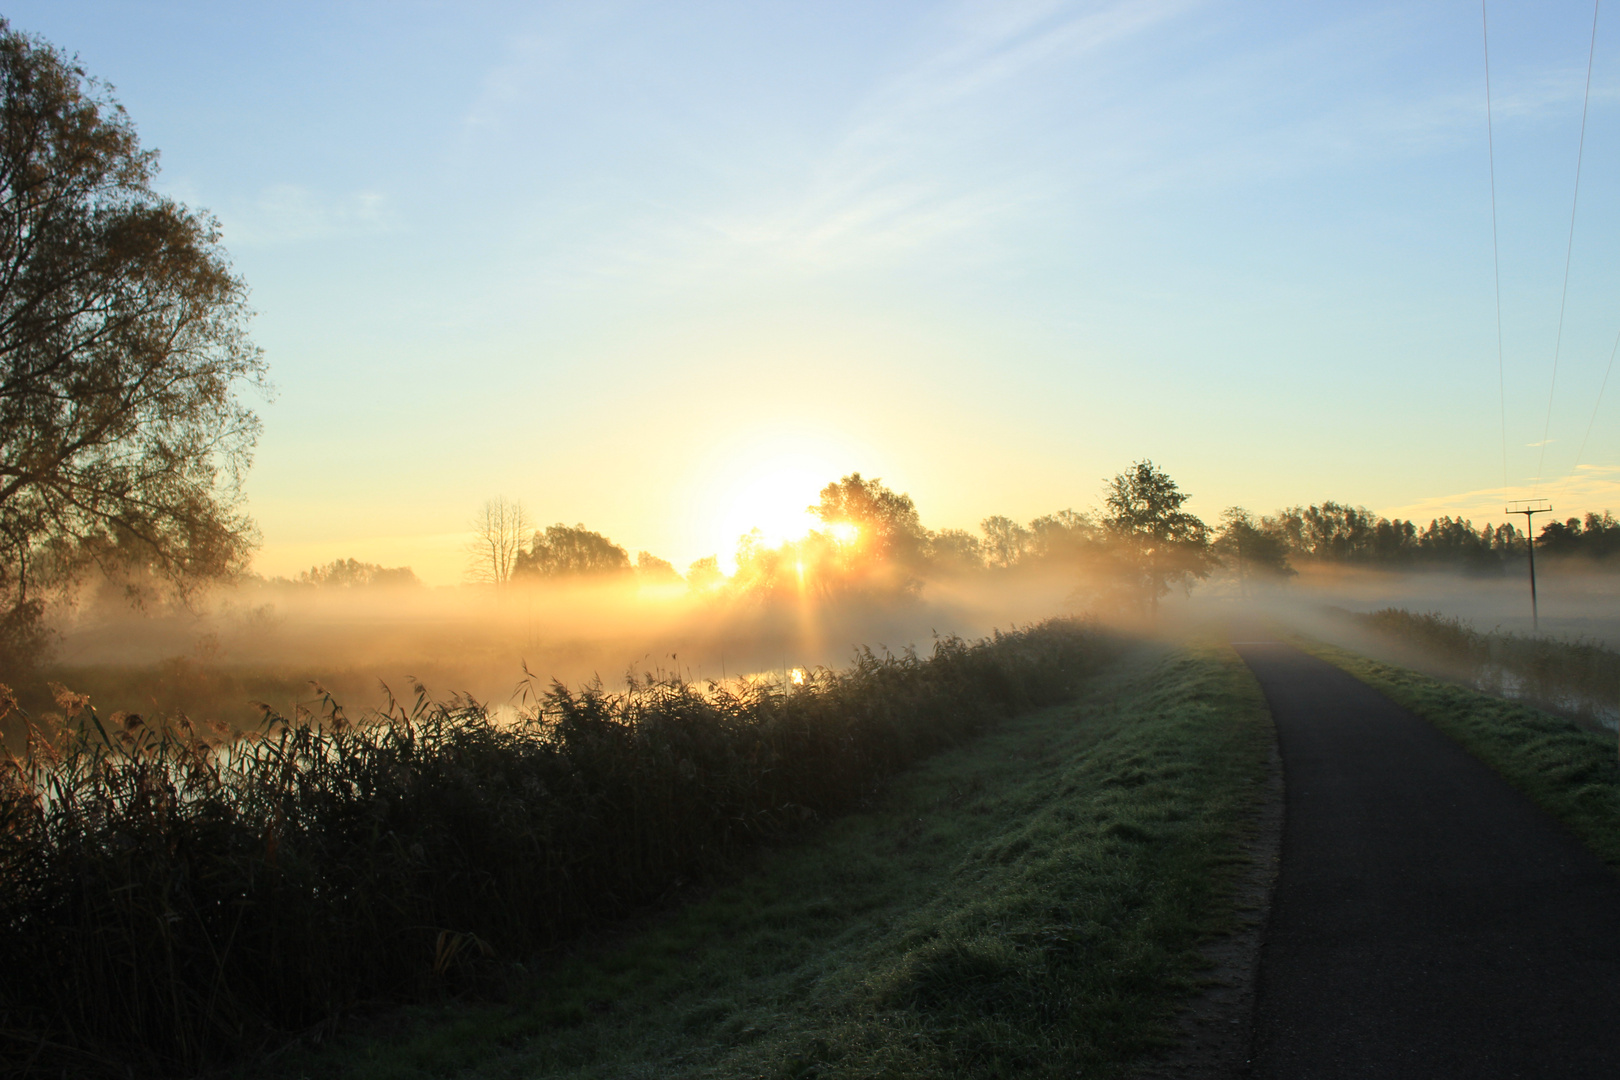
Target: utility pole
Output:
[{"x": 1529, "y": 508}]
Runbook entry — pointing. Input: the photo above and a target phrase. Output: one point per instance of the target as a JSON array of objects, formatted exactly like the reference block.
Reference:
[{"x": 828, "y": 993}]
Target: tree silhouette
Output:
[
  {"x": 1250, "y": 550},
  {"x": 1162, "y": 544},
  {"x": 886, "y": 542},
  {"x": 564, "y": 551}
]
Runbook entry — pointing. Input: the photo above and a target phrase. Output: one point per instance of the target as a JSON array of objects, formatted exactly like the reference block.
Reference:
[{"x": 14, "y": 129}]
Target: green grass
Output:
[
  {"x": 1568, "y": 770},
  {"x": 178, "y": 899},
  {"x": 1028, "y": 904},
  {"x": 1577, "y": 678}
]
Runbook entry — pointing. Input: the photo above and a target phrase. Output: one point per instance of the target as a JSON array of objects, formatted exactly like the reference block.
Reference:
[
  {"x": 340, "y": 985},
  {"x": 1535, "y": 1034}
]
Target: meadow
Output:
[
  {"x": 180, "y": 896},
  {"x": 1030, "y": 902}
]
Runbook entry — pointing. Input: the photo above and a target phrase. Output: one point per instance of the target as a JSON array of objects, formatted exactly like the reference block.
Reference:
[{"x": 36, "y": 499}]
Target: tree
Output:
[
  {"x": 1163, "y": 544},
  {"x": 354, "y": 574},
  {"x": 955, "y": 550},
  {"x": 655, "y": 571},
  {"x": 562, "y": 551},
  {"x": 1006, "y": 542},
  {"x": 1252, "y": 551},
  {"x": 123, "y": 347},
  {"x": 497, "y": 543},
  {"x": 1063, "y": 536},
  {"x": 704, "y": 573},
  {"x": 877, "y": 535}
]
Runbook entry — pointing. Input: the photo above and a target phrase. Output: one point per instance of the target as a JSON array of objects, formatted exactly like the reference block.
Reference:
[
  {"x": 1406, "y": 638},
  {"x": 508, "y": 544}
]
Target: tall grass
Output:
[
  {"x": 1576, "y": 678},
  {"x": 167, "y": 901}
]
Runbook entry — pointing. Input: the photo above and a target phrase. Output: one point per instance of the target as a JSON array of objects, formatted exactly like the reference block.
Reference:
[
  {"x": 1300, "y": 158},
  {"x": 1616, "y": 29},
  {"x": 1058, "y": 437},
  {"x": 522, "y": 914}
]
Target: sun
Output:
[
  {"x": 773, "y": 497},
  {"x": 766, "y": 475}
]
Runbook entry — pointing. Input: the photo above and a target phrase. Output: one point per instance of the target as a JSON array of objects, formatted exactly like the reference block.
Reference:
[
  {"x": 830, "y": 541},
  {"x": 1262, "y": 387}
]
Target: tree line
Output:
[{"x": 872, "y": 539}]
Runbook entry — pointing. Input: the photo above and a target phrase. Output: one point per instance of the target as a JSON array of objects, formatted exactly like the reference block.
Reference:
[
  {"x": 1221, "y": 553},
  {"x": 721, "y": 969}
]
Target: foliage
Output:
[
  {"x": 175, "y": 899},
  {"x": 655, "y": 571},
  {"x": 704, "y": 573},
  {"x": 122, "y": 347},
  {"x": 1332, "y": 532},
  {"x": 1598, "y": 538},
  {"x": 885, "y": 522},
  {"x": 1163, "y": 545},
  {"x": 954, "y": 550},
  {"x": 874, "y": 538},
  {"x": 872, "y": 543},
  {"x": 1006, "y": 543},
  {"x": 563, "y": 551},
  {"x": 1249, "y": 550},
  {"x": 351, "y": 573},
  {"x": 1065, "y": 536},
  {"x": 1025, "y": 904}
]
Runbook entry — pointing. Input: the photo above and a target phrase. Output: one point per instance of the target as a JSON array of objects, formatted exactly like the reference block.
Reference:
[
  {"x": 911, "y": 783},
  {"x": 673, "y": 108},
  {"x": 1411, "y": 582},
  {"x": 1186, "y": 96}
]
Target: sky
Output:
[{"x": 666, "y": 269}]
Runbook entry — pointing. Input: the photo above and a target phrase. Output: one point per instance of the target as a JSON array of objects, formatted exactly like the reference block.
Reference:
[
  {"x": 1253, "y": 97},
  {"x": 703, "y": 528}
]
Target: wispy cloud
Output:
[
  {"x": 900, "y": 172},
  {"x": 507, "y": 85},
  {"x": 293, "y": 213},
  {"x": 1590, "y": 488}
]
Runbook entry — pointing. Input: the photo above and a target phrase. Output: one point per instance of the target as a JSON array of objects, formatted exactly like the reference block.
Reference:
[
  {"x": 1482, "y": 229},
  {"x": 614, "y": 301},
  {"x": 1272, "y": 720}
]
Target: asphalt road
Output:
[{"x": 1428, "y": 920}]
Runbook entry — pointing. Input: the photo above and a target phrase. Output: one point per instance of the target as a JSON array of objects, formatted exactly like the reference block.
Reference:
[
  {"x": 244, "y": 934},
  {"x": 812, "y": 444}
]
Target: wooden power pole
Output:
[{"x": 1529, "y": 508}]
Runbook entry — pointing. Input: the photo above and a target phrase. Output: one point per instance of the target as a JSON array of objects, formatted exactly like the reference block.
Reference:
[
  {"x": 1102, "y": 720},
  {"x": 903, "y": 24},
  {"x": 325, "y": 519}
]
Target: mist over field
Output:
[
  {"x": 343, "y": 633},
  {"x": 477, "y": 640}
]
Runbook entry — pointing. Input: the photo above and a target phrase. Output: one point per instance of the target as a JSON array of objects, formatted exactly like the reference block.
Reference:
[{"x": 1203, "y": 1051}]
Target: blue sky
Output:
[{"x": 666, "y": 268}]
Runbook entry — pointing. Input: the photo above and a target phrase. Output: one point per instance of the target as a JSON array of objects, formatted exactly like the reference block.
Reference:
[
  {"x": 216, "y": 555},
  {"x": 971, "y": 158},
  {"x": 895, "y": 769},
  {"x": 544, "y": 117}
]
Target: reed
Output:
[
  {"x": 1580, "y": 679},
  {"x": 170, "y": 898}
]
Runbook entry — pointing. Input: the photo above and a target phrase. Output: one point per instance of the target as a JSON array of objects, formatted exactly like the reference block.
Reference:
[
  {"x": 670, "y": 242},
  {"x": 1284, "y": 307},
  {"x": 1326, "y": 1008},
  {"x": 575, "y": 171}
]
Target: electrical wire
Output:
[
  {"x": 1592, "y": 422},
  {"x": 1563, "y": 299},
  {"x": 1496, "y": 254}
]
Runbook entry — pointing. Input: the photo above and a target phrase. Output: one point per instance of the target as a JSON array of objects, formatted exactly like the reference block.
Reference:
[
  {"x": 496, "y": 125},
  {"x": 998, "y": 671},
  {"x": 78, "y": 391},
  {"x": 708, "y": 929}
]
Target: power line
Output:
[
  {"x": 1580, "y": 154},
  {"x": 1496, "y": 255},
  {"x": 1590, "y": 423}
]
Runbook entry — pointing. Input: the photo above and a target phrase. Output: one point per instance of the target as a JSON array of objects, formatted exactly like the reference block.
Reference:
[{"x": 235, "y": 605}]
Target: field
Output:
[{"x": 1030, "y": 903}]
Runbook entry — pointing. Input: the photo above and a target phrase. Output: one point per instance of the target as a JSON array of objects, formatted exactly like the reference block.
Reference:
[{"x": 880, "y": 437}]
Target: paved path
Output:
[{"x": 1428, "y": 920}]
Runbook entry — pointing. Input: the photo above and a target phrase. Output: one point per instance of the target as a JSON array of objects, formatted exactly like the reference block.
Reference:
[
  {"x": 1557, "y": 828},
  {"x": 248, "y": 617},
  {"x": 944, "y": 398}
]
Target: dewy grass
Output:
[
  {"x": 1028, "y": 904},
  {"x": 1575, "y": 678},
  {"x": 167, "y": 901},
  {"x": 1570, "y": 771}
]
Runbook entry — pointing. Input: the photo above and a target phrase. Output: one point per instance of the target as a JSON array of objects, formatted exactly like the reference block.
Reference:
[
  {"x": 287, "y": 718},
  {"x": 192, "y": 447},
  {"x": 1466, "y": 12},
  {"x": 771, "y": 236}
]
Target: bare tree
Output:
[{"x": 499, "y": 529}]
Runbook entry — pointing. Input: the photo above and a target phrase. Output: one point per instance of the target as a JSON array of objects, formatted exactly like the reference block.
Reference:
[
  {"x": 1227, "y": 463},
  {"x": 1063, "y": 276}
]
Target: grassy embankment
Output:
[
  {"x": 1578, "y": 678},
  {"x": 1568, "y": 769},
  {"x": 176, "y": 900},
  {"x": 1027, "y": 904}
]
